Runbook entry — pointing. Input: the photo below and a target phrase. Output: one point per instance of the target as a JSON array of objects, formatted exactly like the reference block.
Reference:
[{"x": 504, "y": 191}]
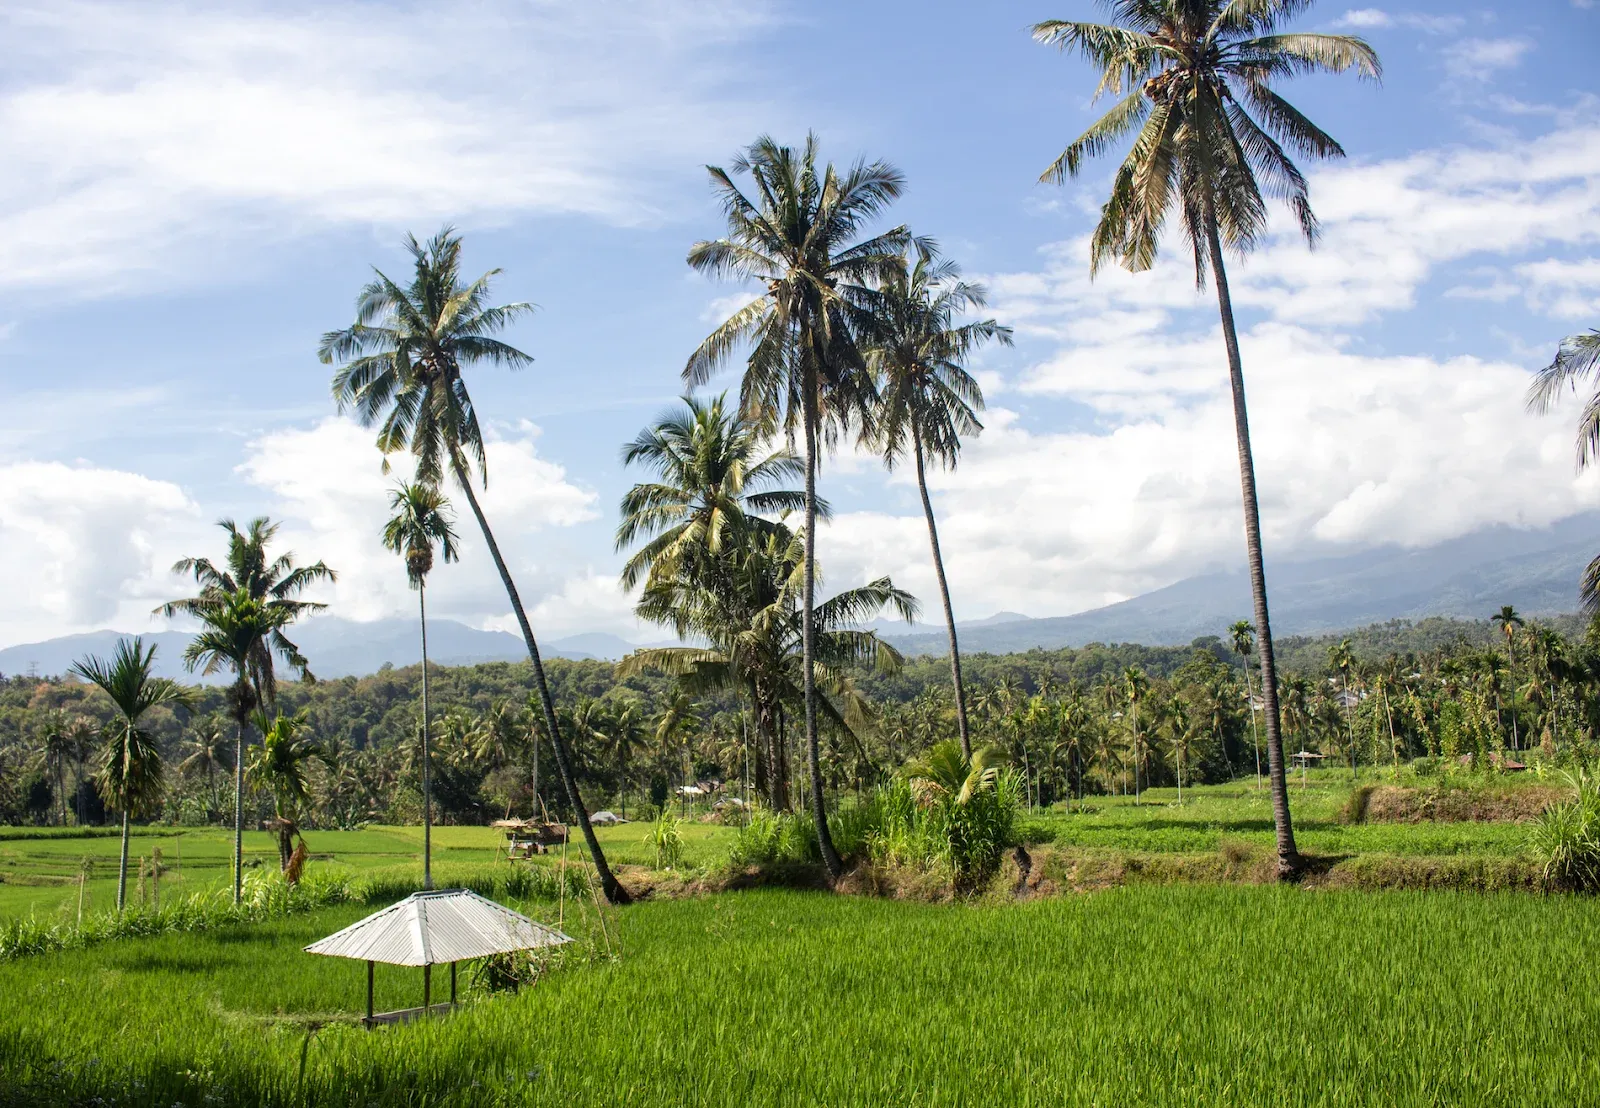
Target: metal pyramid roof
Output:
[{"x": 432, "y": 928}]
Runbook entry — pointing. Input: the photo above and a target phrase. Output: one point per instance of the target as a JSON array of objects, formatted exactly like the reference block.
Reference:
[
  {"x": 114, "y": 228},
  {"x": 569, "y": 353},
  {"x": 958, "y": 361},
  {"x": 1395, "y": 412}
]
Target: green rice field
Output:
[{"x": 1180, "y": 995}]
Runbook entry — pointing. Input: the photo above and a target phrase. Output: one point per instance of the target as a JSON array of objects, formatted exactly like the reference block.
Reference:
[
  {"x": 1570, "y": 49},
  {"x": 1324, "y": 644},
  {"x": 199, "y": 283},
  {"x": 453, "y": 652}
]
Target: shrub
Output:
[
  {"x": 1567, "y": 839},
  {"x": 667, "y": 839}
]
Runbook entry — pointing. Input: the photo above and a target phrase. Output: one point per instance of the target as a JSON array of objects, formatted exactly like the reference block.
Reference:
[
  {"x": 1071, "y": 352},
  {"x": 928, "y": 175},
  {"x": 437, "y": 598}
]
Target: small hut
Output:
[{"x": 442, "y": 927}]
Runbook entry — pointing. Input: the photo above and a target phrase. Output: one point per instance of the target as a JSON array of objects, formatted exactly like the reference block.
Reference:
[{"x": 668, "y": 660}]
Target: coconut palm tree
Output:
[
  {"x": 1509, "y": 621},
  {"x": 276, "y": 583},
  {"x": 927, "y": 399},
  {"x": 1577, "y": 361},
  {"x": 420, "y": 521},
  {"x": 799, "y": 240},
  {"x": 54, "y": 746},
  {"x": 716, "y": 476},
  {"x": 755, "y": 630},
  {"x": 279, "y": 769},
  {"x": 131, "y": 776},
  {"x": 245, "y": 606},
  {"x": 1195, "y": 80},
  {"x": 400, "y": 366},
  {"x": 1135, "y": 685},
  {"x": 1243, "y": 637},
  {"x": 234, "y": 629},
  {"x": 1343, "y": 662},
  {"x": 207, "y": 751}
]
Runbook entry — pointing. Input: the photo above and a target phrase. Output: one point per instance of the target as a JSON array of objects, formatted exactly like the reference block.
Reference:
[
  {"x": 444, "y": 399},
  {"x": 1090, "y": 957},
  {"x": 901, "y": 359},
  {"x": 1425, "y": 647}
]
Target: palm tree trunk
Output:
[
  {"x": 944, "y": 596},
  {"x": 238, "y": 812},
  {"x": 427, "y": 775},
  {"x": 819, "y": 810},
  {"x": 1511, "y": 672},
  {"x": 1255, "y": 735},
  {"x": 122, "y": 864},
  {"x": 1288, "y": 856},
  {"x": 614, "y": 892}
]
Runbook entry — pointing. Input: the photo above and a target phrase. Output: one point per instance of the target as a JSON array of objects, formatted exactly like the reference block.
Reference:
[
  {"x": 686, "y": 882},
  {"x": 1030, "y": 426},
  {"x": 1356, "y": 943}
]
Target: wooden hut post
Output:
[
  {"x": 369, "y": 993},
  {"x": 427, "y": 987},
  {"x": 452, "y": 984}
]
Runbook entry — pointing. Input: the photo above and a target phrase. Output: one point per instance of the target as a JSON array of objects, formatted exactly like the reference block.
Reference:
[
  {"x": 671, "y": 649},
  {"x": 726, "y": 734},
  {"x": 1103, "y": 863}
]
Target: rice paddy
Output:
[
  {"x": 1153, "y": 995},
  {"x": 1148, "y": 993}
]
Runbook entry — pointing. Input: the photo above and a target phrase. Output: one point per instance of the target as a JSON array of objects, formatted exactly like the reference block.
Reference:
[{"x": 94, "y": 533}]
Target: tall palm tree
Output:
[
  {"x": 1194, "y": 80},
  {"x": 230, "y": 640},
  {"x": 207, "y": 752},
  {"x": 400, "y": 366},
  {"x": 715, "y": 475},
  {"x": 927, "y": 399},
  {"x": 421, "y": 521},
  {"x": 799, "y": 239},
  {"x": 755, "y": 631},
  {"x": 1243, "y": 637},
  {"x": 1509, "y": 621},
  {"x": 1135, "y": 684},
  {"x": 274, "y": 582},
  {"x": 279, "y": 768},
  {"x": 245, "y": 606},
  {"x": 1577, "y": 361},
  {"x": 1342, "y": 660},
  {"x": 131, "y": 775},
  {"x": 54, "y": 747}
]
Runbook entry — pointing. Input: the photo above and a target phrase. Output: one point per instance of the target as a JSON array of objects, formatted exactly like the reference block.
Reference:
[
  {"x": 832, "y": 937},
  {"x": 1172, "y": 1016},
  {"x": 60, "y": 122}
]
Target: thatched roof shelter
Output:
[{"x": 445, "y": 926}]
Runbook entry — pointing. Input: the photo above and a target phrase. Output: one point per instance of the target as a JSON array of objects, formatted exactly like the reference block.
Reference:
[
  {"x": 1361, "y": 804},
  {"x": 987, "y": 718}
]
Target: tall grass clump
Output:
[
  {"x": 666, "y": 838},
  {"x": 1567, "y": 838},
  {"x": 947, "y": 811}
]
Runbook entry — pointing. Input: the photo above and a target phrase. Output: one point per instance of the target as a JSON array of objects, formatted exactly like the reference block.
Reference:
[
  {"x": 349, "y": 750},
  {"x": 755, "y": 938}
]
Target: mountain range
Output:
[{"x": 1534, "y": 569}]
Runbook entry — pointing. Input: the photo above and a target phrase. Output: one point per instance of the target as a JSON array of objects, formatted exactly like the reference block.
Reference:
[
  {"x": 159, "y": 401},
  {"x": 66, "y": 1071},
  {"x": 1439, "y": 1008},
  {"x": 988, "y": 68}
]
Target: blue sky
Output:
[{"x": 195, "y": 193}]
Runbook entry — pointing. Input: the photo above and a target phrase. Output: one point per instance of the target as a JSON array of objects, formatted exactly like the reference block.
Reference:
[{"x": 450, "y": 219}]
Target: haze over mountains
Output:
[{"x": 1536, "y": 570}]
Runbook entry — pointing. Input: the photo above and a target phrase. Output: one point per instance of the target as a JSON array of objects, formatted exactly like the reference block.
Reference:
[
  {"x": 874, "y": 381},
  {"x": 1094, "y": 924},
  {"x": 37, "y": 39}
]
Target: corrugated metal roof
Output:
[{"x": 447, "y": 925}]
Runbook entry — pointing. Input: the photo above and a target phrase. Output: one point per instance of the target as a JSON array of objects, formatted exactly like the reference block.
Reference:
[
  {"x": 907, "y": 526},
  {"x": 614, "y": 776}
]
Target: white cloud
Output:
[
  {"x": 1353, "y": 446},
  {"x": 325, "y": 483},
  {"x": 1564, "y": 289},
  {"x": 1350, "y": 450},
  {"x": 148, "y": 138},
  {"x": 1481, "y": 58},
  {"x": 1365, "y": 19},
  {"x": 83, "y": 547}
]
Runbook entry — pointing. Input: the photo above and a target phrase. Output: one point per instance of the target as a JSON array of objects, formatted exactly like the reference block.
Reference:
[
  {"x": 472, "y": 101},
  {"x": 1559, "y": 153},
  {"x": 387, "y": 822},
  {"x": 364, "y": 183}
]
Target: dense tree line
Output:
[{"x": 1448, "y": 689}]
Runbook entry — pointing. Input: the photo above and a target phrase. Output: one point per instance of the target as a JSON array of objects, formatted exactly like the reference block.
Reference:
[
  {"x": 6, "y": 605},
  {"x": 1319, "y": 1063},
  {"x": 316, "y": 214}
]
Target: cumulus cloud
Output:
[
  {"x": 326, "y": 484},
  {"x": 1366, "y": 19},
  {"x": 152, "y": 137},
  {"x": 1482, "y": 58},
  {"x": 1354, "y": 446},
  {"x": 83, "y": 546}
]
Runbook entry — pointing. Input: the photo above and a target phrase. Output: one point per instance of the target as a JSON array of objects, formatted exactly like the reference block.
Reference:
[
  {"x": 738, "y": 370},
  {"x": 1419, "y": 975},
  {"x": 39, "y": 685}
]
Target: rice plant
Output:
[{"x": 1176, "y": 995}]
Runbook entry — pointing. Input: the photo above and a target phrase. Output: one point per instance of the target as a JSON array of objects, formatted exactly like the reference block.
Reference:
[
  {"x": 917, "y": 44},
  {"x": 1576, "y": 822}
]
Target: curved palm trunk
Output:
[
  {"x": 122, "y": 864},
  {"x": 427, "y": 760},
  {"x": 819, "y": 809},
  {"x": 944, "y": 596},
  {"x": 1288, "y": 856},
  {"x": 614, "y": 892}
]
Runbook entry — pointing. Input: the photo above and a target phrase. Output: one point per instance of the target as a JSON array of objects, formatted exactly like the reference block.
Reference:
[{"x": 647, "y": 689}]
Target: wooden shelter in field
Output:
[{"x": 442, "y": 927}]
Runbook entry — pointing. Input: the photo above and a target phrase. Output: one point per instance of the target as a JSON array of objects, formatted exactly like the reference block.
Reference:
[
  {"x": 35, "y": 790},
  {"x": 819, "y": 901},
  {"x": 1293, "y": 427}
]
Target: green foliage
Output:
[
  {"x": 667, "y": 840},
  {"x": 1567, "y": 838}
]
